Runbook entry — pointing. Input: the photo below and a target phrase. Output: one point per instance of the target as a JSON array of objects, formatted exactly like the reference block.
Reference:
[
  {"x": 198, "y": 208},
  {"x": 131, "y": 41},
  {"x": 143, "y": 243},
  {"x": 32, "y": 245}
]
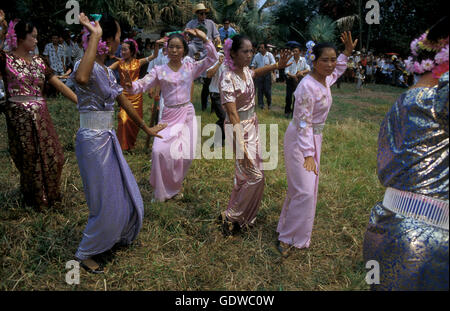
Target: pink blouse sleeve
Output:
[
  {"x": 303, "y": 115},
  {"x": 211, "y": 58},
  {"x": 146, "y": 83},
  {"x": 226, "y": 88},
  {"x": 341, "y": 67}
]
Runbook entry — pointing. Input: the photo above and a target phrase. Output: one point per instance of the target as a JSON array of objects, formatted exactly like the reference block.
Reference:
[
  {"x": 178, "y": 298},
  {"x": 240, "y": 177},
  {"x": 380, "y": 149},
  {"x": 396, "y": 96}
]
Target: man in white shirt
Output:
[
  {"x": 294, "y": 73},
  {"x": 214, "y": 73},
  {"x": 54, "y": 52},
  {"x": 264, "y": 83}
]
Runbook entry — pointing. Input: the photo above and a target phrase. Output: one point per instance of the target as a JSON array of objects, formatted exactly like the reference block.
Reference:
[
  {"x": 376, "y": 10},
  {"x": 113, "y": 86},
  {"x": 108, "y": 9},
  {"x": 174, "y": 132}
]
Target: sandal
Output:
[
  {"x": 98, "y": 270},
  {"x": 228, "y": 227},
  {"x": 283, "y": 248}
]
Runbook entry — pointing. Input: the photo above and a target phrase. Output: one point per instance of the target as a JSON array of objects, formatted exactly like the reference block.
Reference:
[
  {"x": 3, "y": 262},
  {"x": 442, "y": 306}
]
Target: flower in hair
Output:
[
  {"x": 442, "y": 56},
  {"x": 418, "y": 68},
  {"x": 427, "y": 64},
  {"x": 439, "y": 70},
  {"x": 11, "y": 38},
  {"x": 227, "y": 51},
  {"x": 134, "y": 43},
  {"x": 102, "y": 47}
]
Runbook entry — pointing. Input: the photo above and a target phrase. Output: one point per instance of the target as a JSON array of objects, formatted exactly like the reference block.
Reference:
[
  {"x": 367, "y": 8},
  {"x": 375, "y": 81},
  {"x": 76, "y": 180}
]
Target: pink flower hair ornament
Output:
[
  {"x": 11, "y": 38},
  {"x": 227, "y": 53},
  {"x": 127, "y": 40},
  {"x": 438, "y": 64},
  {"x": 102, "y": 47}
]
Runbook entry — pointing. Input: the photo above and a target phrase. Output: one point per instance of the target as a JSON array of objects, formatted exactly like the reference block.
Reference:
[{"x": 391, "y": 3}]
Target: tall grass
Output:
[{"x": 180, "y": 247}]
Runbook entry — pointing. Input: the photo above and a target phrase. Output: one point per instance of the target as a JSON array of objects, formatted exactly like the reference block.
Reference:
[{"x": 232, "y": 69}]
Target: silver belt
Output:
[
  {"x": 317, "y": 127},
  {"x": 429, "y": 210},
  {"x": 24, "y": 99},
  {"x": 97, "y": 120},
  {"x": 244, "y": 115},
  {"x": 176, "y": 106}
]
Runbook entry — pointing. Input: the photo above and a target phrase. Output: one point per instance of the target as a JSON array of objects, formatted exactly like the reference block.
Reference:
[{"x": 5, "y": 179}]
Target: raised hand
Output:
[
  {"x": 285, "y": 56},
  {"x": 346, "y": 38},
  {"x": 197, "y": 33},
  {"x": 93, "y": 29},
  {"x": 2, "y": 16}
]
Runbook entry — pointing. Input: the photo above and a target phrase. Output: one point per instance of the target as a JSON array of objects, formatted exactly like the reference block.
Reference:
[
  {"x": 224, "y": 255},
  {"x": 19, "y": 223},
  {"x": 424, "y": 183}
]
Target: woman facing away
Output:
[
  {"x": 303, "y": 142},
  {"x": 115, "y": 203},
  {"x": 33, "y": 142},
  {"x": 127, "y": 129},
  {"x": 407, "y": 234},
  {"x": 172, "y": 155},
  {"x": 237, "y": 92}
]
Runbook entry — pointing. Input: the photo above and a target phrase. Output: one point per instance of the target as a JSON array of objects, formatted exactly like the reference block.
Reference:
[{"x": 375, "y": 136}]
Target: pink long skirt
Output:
[
  {"x": 248, "y": 189},
  {"x": 173, "y": 154},
  {"x": 297, "y": 217}
]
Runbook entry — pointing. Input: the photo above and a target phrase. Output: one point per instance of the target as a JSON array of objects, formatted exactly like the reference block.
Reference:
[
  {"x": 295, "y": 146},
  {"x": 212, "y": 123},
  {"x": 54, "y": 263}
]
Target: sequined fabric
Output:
[
  {"x": 413, "y": 143},
  {"x": 33, "y": 143},
  {"x": 412, "y": 156}
]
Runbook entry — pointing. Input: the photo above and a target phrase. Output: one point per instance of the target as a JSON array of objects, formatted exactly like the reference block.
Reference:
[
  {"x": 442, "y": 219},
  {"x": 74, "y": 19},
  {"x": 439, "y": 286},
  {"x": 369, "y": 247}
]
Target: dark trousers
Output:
[
  {"x": 220, "y": 112},
  {"x": 291, "y": 85},
  {"x": 264, "y": 88},
  {"x": 205, "y": 93}
]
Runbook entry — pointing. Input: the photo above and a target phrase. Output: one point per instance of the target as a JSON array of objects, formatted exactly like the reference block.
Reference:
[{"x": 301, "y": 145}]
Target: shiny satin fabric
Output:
[
  {"x": 127, "y": 130},
  {"x": 115, "y": 204},
  {"x": 248, "y": 189},
  {"x": 412, "y": 156},
  {"x": 297, "y": 216},
  {"x": 172, "y": 155}
]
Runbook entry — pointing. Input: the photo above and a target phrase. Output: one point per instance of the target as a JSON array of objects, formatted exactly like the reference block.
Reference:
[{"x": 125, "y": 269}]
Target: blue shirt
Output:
[{"x": 226, "y": 33}]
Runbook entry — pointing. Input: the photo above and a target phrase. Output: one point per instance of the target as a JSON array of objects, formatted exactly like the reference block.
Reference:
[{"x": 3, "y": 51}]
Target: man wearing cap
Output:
[{"x": 294, "y": 73}]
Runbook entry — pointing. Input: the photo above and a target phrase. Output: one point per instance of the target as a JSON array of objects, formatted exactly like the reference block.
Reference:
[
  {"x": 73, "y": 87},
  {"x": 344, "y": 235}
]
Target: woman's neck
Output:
[
  {"x": 22, "y": 52},
  {"x": 100, "y": 59},
  {"x": 426, "y": 80},
  {"x": 175, "y": 63},
  {"x": 319, "y": 77}
]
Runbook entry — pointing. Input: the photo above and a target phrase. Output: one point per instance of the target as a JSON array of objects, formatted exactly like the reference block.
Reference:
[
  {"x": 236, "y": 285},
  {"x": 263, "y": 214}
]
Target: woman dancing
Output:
[
  {"x": 237, "y": 93},
  {"x": 127, "y": 129},
  {"x": 115, "y": 203},
  {"x": 407, "y": 235},
  {"x": 303, "y": 142},
  {"x": 172, "y": 156},
  {"x": 33, "y": 142}
]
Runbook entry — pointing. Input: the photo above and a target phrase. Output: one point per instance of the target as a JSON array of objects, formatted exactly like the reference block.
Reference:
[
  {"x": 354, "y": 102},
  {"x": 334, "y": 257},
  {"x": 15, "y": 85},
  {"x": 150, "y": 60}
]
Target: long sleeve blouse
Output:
[
  {"x": 176, "y": 86},
  {"x": 312, "y": 103}
]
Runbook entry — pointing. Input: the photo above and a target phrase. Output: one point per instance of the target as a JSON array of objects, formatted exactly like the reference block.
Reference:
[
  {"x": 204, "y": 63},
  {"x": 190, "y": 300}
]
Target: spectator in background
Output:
[
  {"x": 54, "y": 54},
  {"x": 226, "y": 31},
  {"x": 294, "y": 74},
  {"x": 263, "y": 83}
]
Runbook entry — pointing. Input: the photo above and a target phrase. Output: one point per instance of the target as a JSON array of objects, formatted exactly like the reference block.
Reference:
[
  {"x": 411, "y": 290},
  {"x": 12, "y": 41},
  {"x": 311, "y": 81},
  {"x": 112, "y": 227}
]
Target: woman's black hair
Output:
[
  {"x": 319, "y": 48},
  {"x": 132, "y": 47},
  {"x": 109, "y": 27},
  {"x": 22, "y": 29},
  {"x": 439, "y": 30},
  {"x": 181, "y": 38},
  {"x": 237, "y": 42}
]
